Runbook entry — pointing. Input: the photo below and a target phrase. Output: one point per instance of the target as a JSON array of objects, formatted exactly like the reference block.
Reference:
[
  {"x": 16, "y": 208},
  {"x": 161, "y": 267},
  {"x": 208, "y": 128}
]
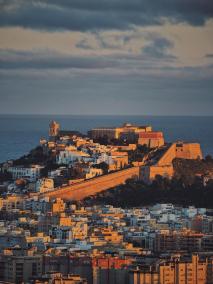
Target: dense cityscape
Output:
[
  {"x": 106, "y": 142},
  {"x": 55, "y": 229}
]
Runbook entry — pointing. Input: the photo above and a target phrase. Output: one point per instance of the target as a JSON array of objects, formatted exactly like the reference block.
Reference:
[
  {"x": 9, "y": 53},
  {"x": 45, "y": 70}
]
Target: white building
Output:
[
  {"x": 32, "y": 173},
  {"x": 106, "y": 158},
  {"x": 56, "y": 173},
  {"x": 68, "y": 157},
  {"x": 190, "y": 212}
]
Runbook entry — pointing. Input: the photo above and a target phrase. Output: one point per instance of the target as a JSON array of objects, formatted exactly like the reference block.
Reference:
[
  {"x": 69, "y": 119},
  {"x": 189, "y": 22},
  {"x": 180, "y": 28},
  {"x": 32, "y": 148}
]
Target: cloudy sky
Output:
[{"x": 106, "y": 57}]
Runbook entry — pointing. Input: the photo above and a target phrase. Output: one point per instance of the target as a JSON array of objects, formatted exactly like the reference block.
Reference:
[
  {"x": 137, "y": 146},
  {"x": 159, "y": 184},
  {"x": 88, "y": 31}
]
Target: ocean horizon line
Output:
[{"x": 106, "y": 115}]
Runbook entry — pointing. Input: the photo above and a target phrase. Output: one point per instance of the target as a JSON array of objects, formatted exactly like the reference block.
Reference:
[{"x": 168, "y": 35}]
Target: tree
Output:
[
  {"x": 5, "y": 176},
  {"x": 209, "y": 159}
]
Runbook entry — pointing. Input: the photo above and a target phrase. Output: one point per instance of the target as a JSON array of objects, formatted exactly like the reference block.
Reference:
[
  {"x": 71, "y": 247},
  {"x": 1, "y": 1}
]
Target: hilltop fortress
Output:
[{"x": 158, "y": 160}]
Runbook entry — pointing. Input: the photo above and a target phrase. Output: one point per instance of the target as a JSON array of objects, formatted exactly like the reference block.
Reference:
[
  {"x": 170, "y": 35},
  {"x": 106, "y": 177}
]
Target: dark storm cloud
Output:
[
  {"x": 83, "y": 44},
  {"x": 21, "y": 63},
  {"x": 10, "y": 59},
  {"x": 159, "y": 49},
  {"x": 107, "y": 94},
  {"x": 116, "y": 42},
  {"x": 104, "y": 43},
  {"x": 152, "y": 56},
  {"x": 15, "y": 59},
  {"x": 82, "y": 15}
]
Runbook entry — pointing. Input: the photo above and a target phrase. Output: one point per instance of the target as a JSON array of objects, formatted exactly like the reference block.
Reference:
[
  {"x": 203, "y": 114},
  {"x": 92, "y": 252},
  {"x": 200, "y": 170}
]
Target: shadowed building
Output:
[
  {"x": 18, "y": 266},
  {"x": 176, "y": 271}
]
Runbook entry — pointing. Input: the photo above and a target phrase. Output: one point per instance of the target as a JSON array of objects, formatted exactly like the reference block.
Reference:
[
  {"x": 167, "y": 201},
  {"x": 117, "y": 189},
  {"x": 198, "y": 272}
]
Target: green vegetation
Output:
[
  {"x": 185, "y": 188},
  {"x": 162, "y": 190},
  {"x": 5, "y": 176},
  {"x": 36, "y": 156},
  {"x": 189, "y": 170}
]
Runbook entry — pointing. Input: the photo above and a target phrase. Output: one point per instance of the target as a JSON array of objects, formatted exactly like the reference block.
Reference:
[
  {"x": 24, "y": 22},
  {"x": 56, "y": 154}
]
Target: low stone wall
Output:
[{"x": 93, "y": 186}]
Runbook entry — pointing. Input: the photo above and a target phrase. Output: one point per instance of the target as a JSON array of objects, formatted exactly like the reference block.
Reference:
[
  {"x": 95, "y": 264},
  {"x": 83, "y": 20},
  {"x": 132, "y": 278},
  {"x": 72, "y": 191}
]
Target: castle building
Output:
[
  {"x": 151, "y": 139},
  {"x": 126, "y": 130}
]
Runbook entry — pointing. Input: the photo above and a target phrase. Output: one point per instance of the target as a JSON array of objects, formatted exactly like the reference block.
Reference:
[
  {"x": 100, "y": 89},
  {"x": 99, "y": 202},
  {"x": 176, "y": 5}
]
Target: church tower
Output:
[{"x": 54, "y": 128}]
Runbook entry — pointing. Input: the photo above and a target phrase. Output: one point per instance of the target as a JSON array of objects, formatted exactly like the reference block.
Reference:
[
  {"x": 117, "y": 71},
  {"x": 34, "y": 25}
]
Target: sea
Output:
[{"x": 20, "y": 133}]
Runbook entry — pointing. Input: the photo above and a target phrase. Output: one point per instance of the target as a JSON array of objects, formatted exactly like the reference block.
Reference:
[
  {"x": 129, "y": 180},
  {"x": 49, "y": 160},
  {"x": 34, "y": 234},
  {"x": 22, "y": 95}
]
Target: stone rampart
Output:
[{"x": 93, "y": 186}]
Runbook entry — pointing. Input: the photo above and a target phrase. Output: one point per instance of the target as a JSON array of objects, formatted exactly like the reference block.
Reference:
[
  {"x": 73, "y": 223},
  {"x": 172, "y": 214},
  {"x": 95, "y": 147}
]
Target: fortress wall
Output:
[
  {"x": 168, "y": 157},
  {"x": 93, "y": 186},
  {"x": 151, "y": 142},
  {"x": 149, "y": 173},
  {"x": 185, "y": 151},
  {"x": 164, "y": 171},
  {"x": 195, "y": 151},
  {"x": 189, "y": 151},
  {"x": 164, "y": 166}
]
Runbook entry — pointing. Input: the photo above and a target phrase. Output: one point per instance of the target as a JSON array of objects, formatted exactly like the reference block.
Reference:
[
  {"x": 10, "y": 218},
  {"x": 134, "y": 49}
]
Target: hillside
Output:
[
  {"x": 188, "y": 170},
  {"x": 185, "y": 188}
]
